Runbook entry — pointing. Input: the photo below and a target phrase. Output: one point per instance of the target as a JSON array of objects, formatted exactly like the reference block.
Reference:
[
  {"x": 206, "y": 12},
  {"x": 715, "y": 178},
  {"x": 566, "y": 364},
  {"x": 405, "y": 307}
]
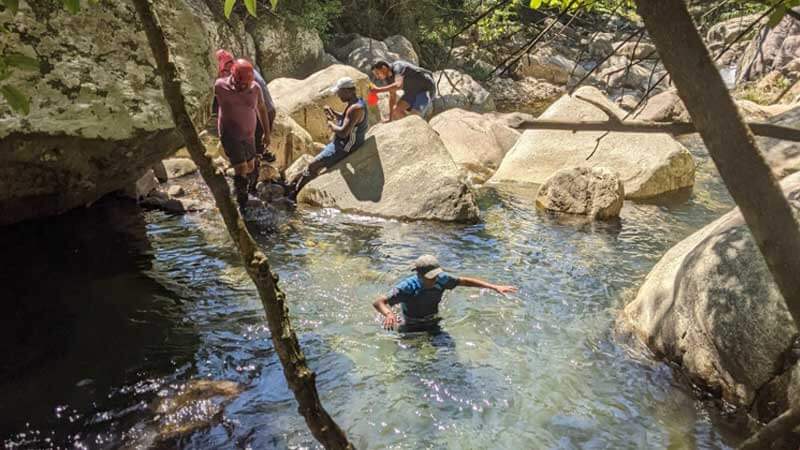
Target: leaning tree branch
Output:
[
  {"x": 779, "y": 427},
  {"x": 635, "y": 126},
  {"x": 730, "y": 142},
  {"x": 299, "y": 377}
]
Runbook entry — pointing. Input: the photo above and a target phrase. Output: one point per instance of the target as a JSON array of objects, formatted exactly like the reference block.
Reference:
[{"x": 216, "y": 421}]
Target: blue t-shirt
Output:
[{"x": 420, "y": 304}]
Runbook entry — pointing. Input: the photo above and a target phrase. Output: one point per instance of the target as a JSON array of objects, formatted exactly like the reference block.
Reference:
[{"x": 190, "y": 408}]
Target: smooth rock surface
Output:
[
  {"x": 710, "y": 305},
  {"x": 527, "y": 94},
  {"x": 459, "y": 90},
  {"x": 288, "y": 141},
  {"x": 402, "y": 171},
  {"x": 90, "y": 132},
  {"x": 549, "y": 64},
  {"x": 771, "y": 49},
  {"x": 648, "y": 164},
  {"x": 595, "y": 192},
  {"x": 284, "y": 49},
  {"x": 476, "y": 142},
  {"x": 178, "y": 167},
  {"x": 146, "y": 184},
  {"x": 304, "y": 100}
]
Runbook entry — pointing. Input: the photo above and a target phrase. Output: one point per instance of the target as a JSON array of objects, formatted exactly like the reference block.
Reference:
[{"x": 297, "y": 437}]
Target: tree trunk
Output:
[
  {"x": 298, "y": 376},
  {"x": 729, "y": 141},
  {"x": 780, "y": 427}
]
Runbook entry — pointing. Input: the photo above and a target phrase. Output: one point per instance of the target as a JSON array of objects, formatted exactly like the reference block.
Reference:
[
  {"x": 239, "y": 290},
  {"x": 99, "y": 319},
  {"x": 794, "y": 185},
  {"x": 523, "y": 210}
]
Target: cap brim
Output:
[{"x": 433, "y": 273}]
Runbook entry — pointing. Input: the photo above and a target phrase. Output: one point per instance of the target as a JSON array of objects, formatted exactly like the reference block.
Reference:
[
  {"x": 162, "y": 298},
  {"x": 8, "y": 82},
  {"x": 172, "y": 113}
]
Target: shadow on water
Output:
[{"x": 81, "y": 318}]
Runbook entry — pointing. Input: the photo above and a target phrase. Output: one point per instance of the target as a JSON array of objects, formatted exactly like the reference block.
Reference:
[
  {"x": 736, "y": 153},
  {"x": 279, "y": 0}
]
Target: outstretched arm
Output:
[
  {"x": 389, "y": 317},
  {"x": 475, "y": 282},
  {"x": 391, "y": 87}
]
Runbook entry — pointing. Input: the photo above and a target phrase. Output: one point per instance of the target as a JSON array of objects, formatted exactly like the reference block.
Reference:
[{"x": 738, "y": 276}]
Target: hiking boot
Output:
[{"x": 240, "y": 184}]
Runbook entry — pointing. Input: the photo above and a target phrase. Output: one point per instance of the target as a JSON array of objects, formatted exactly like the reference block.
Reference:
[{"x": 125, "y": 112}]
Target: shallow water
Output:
[{"x": 111, "y": 310}]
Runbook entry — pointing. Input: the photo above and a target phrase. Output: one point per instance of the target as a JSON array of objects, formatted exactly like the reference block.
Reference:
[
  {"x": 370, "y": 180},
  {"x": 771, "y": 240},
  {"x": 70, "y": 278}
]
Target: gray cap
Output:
[
  {"x": 427, "y": 266},
  {"x": 343, "y": 83}
]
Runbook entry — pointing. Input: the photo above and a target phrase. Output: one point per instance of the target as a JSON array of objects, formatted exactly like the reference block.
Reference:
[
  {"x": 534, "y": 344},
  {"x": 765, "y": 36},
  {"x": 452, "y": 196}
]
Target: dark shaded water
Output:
[{"x": 109, "y": 310}]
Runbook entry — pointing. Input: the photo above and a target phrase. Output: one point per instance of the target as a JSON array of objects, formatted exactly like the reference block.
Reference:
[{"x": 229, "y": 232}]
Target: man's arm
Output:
[
  {"x": 354, "y": 115},
  {"x": 389, "y": 317},
  {"x": 475, "y": 282},
  {"x": 263, "y": 117},
  {"x": 391, "y": 87}
]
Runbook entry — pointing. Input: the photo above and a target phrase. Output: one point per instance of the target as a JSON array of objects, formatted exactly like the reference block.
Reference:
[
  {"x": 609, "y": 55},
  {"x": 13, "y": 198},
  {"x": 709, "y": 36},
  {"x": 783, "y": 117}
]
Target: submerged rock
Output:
[
  {"x": 476, "y": 142},
  {"x": 304, "y": 100},
  {"x": 198, "y": 405},
  {"x": 595, "y": 192},
  {"x": 402, "y": 171},
  {"x": 459, "y": 90},
  {"x": 648, "y": 164},
  {"x": 710, "y": 305}
]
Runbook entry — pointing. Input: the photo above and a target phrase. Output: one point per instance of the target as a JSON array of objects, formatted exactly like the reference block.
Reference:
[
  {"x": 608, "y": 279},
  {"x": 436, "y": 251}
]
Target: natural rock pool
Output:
[{"x": 110, "y": 312}]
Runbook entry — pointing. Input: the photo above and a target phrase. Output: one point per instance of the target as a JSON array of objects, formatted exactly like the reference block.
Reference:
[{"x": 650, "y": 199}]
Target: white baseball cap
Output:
[{"x": 343, "y": 83}]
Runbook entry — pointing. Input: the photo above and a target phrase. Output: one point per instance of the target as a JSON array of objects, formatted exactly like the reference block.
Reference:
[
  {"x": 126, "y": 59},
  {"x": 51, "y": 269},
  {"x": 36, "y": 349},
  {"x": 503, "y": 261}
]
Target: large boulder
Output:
[
  {"x": 304, "y": 100},
  {"x": 595, "y": 192},
  {"x": 727, "y": 31},
  {"x": 285, "y": 49},
  {"x": 648, "y": 164},
  {"x": 664, "y": 107},
  {"x": 459, "y": 90},
  {"x": 771, "y": 49},
  {"x": 527, "y": 94},
  {"x": 476, "y": 142},
  {"x": 402, "y": 171},
  {"x": 402, "y": 47},
  {"x": 550, "y": 64},
  {"x": 782, "y": 156},
  {"x": 90, "y": 131},
  {"x": 289, "y": 141},
  {"x": 710, "y": 306}
]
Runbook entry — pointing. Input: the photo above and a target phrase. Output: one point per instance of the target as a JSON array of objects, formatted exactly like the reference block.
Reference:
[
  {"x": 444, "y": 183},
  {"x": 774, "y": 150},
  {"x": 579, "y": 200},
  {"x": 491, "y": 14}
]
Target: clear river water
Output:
[{"x": 110, "y": 311}]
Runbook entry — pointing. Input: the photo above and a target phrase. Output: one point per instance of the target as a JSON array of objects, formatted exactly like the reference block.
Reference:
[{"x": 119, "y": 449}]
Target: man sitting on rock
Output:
[
  {"x": 417, "y": 84},
  {"x": 420, "y": 294},
  {"x": 241, "y": 106},
  {"x": 349, "y": 132},
  {"x": 225, "y": 62}
]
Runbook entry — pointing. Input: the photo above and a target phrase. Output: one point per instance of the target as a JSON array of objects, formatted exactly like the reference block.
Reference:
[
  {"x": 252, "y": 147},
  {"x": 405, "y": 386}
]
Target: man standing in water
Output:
[
  {"x": 349, "y": 132},
  {"x": 417, "y": 84},
  {"x": 420, "y": 294},
  {"x": 241, "y": 106},
  {"x": 225, "y": 62}
]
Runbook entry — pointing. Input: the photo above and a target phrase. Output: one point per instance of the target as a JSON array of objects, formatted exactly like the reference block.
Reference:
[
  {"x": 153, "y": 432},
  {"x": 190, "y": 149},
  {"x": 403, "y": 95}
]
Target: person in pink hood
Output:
[{"x": 241, "y": 107}]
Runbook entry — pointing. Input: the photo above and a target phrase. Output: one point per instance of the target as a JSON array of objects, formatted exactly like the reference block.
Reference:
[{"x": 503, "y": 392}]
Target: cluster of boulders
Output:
[{"x": 98, "y": 120}]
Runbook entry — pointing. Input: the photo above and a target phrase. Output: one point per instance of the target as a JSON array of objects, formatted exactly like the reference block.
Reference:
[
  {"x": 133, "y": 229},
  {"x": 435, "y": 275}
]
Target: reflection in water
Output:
[{"x": 152, "y": 303}]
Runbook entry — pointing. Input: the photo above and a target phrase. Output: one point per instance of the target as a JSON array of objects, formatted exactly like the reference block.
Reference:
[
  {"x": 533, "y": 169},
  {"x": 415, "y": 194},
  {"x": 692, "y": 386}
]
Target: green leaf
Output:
[
  {"x": 18, "y": 101},
  {"x": 12, "y": 5},
  {"x": 776, "y": 16},
  {"x": 229, "y": 8},
  {"x": 251, "y": 7},
  {"x": 21, "y": 61},
  {"x": 535, "y": 4},
  {"x": 274, "y": 4},
  {"x": 72, "y": 6}
]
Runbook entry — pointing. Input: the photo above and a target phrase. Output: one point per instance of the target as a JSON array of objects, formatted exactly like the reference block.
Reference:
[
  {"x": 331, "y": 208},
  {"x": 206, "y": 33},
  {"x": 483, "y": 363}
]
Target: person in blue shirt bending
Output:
[{"x": 419, "y": 296}]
